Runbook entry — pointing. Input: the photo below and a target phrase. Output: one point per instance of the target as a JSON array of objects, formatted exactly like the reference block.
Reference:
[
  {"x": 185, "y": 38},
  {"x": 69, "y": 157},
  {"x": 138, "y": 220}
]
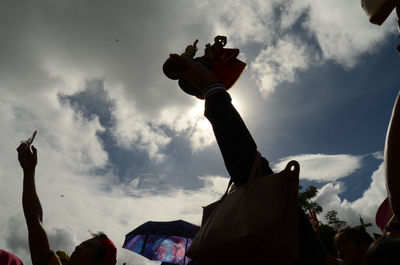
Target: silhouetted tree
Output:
[
  {"x": 326, "y": 231},
  {"x": 334, "y": 221},
  {"x": 305, "y": 200}
]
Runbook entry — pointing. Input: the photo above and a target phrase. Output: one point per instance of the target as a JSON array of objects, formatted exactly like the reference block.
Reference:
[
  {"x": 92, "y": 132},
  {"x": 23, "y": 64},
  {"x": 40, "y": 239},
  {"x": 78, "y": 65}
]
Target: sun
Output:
[{"x": 238, "y": 104}]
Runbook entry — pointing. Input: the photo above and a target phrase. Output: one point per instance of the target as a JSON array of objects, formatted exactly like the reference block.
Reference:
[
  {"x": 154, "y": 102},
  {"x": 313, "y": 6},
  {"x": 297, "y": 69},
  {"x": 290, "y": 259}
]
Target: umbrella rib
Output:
[
  {"x": 184, "y": 256},
  {"x": 144, "y": 243}
]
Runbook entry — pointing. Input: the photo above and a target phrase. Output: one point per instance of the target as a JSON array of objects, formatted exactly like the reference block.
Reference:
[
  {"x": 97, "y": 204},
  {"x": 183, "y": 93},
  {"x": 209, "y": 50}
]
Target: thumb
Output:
[{"x": 34, "y": 150}]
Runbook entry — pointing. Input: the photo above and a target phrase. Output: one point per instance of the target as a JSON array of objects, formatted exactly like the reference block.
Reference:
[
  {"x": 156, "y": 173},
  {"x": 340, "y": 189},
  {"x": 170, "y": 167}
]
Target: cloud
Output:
[
  {"x": 321, "y": 167},
  {"x": 255, "y": 19},
  {"x": 60, "y": 239},
  {"x": 366, "y": 206},
  {"x": 74, "y": 198},
  {"x": 58, "y": 48},
  {"x": 125, "y": 49},
  {"x": 16, "y": 238},
  {"x": 280, "y": 63},
  {"x": 340, "y": 28},
  {"x": 297, "y": 35},
  {"x": 343, "y": 31},
  {"x": 191, "y": 123},
  {"x": 131, "y": 129}
]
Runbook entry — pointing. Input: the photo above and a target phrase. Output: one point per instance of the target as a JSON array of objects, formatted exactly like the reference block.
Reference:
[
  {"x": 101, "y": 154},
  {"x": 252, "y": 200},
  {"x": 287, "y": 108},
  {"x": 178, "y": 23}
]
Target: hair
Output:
[
  {"x": 356, "y": 235},
  {"x": 101, "y": 254}
]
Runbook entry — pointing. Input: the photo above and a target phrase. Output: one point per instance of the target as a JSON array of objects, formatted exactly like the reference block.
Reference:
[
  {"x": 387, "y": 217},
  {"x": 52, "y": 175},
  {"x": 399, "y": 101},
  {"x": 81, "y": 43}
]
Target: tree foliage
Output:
[
  {"x": 334, "y": 221},
  {"x": 305, "y": 200},
  {"x": 326, "y": 231}
]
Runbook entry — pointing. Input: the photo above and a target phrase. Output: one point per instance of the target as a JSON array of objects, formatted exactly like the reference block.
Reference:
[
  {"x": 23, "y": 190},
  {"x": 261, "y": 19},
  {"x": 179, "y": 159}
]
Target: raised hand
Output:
[
  {"x": 191, "y": 50},
  {"x": 313, "y": 220},
  {"x": 27, "y": 158},
  {"x": 194, "y": 72}
]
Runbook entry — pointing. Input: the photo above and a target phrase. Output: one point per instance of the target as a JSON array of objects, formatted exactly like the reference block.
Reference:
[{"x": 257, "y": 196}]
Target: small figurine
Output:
[{"x": 221, "y": 61}]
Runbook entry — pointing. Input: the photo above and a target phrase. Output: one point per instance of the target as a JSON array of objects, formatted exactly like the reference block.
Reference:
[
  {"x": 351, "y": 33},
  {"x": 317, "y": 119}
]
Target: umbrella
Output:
[
  {"x": 162, "y": 241},
  {"x": 383, "y": 214}
]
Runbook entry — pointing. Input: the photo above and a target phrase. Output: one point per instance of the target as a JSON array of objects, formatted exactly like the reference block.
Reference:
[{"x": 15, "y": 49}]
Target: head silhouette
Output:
[
  {"x": 352, "y": 245},
  {"x": 98, "y": 250}
]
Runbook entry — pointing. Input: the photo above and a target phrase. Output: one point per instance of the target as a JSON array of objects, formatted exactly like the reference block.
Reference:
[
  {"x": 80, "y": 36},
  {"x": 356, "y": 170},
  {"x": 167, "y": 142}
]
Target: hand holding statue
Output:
[
  {"x": 27, "y": 158},
  {"x": 220, "y": 61},
  {"x": 194, "y": 72}
]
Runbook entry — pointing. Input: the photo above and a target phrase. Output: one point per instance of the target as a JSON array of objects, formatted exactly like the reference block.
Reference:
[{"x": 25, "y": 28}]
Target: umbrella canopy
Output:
[
  {"x": 383, "y": 214},
  {"x": 162, "y": 241}
]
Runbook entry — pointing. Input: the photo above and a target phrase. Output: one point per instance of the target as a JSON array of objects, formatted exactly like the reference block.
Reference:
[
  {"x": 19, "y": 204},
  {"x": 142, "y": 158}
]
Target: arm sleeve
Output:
[{"x": 235, "y": 142}]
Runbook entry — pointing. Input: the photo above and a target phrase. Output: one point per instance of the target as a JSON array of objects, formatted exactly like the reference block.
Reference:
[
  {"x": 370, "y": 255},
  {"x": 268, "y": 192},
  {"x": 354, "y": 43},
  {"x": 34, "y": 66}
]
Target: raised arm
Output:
[
  {"x": 236, "y": 144},
  {"x": 392, "y": 159},
  {"x": 38, "y": 242}
]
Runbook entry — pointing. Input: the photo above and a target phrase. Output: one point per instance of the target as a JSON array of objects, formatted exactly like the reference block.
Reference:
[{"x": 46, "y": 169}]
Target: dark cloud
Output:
[
  {"x": 81, "y": 36},
  {"x": 16, "y": 238},
  {"x": 61, "y": 239}
]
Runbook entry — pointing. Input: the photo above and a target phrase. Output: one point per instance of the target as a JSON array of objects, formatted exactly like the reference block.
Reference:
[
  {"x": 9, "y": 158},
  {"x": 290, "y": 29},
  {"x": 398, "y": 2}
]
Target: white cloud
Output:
[
  {"x": 321, "y": 167},
  {"x": 343, "y": 31},
  {"x": 255, "y": 19},
  {"x": 132, "y": 130},
  {"x": 280, "y": 63},
  {"x": 341, "y": 28},
  {"x": 190, "y": 122},
  {"x": 366, "y": 206}
]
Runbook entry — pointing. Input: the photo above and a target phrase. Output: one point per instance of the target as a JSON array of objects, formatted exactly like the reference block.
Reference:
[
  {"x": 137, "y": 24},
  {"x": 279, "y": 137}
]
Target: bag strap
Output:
[
  {"x": 227, "y": 188},
  {"x": 256, "y": 171}
]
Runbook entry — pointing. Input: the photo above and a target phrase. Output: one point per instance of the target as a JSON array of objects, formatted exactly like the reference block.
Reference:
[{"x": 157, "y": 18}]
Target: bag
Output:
[{"x": 254, "y": 224}]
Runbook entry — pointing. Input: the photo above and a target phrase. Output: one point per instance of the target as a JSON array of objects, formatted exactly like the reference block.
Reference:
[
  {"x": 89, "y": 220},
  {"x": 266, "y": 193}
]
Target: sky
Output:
[{"x": 120, "y": 144}]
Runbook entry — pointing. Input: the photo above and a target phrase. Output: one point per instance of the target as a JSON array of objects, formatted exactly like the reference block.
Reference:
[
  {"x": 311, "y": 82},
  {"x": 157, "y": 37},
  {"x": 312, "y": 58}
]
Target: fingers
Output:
[
  {"x": 182, "y": 60},
  {"x": 24, "y": 148},
  {"x": 314, "y": 215},
  {"x": 21, "y": 147},
  {"x": 184, "y": 64},
  {"x": 34, "y": 151}
]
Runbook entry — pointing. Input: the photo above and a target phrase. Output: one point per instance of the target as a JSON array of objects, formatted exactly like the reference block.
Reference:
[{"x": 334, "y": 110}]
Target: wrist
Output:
[
  {"x": 213, "y": 88},
  {"x": 29, "y": 171}
]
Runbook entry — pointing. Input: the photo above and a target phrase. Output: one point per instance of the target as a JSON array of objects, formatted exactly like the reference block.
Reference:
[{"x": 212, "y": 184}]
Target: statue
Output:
[{"x": 221, "y": 61}]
